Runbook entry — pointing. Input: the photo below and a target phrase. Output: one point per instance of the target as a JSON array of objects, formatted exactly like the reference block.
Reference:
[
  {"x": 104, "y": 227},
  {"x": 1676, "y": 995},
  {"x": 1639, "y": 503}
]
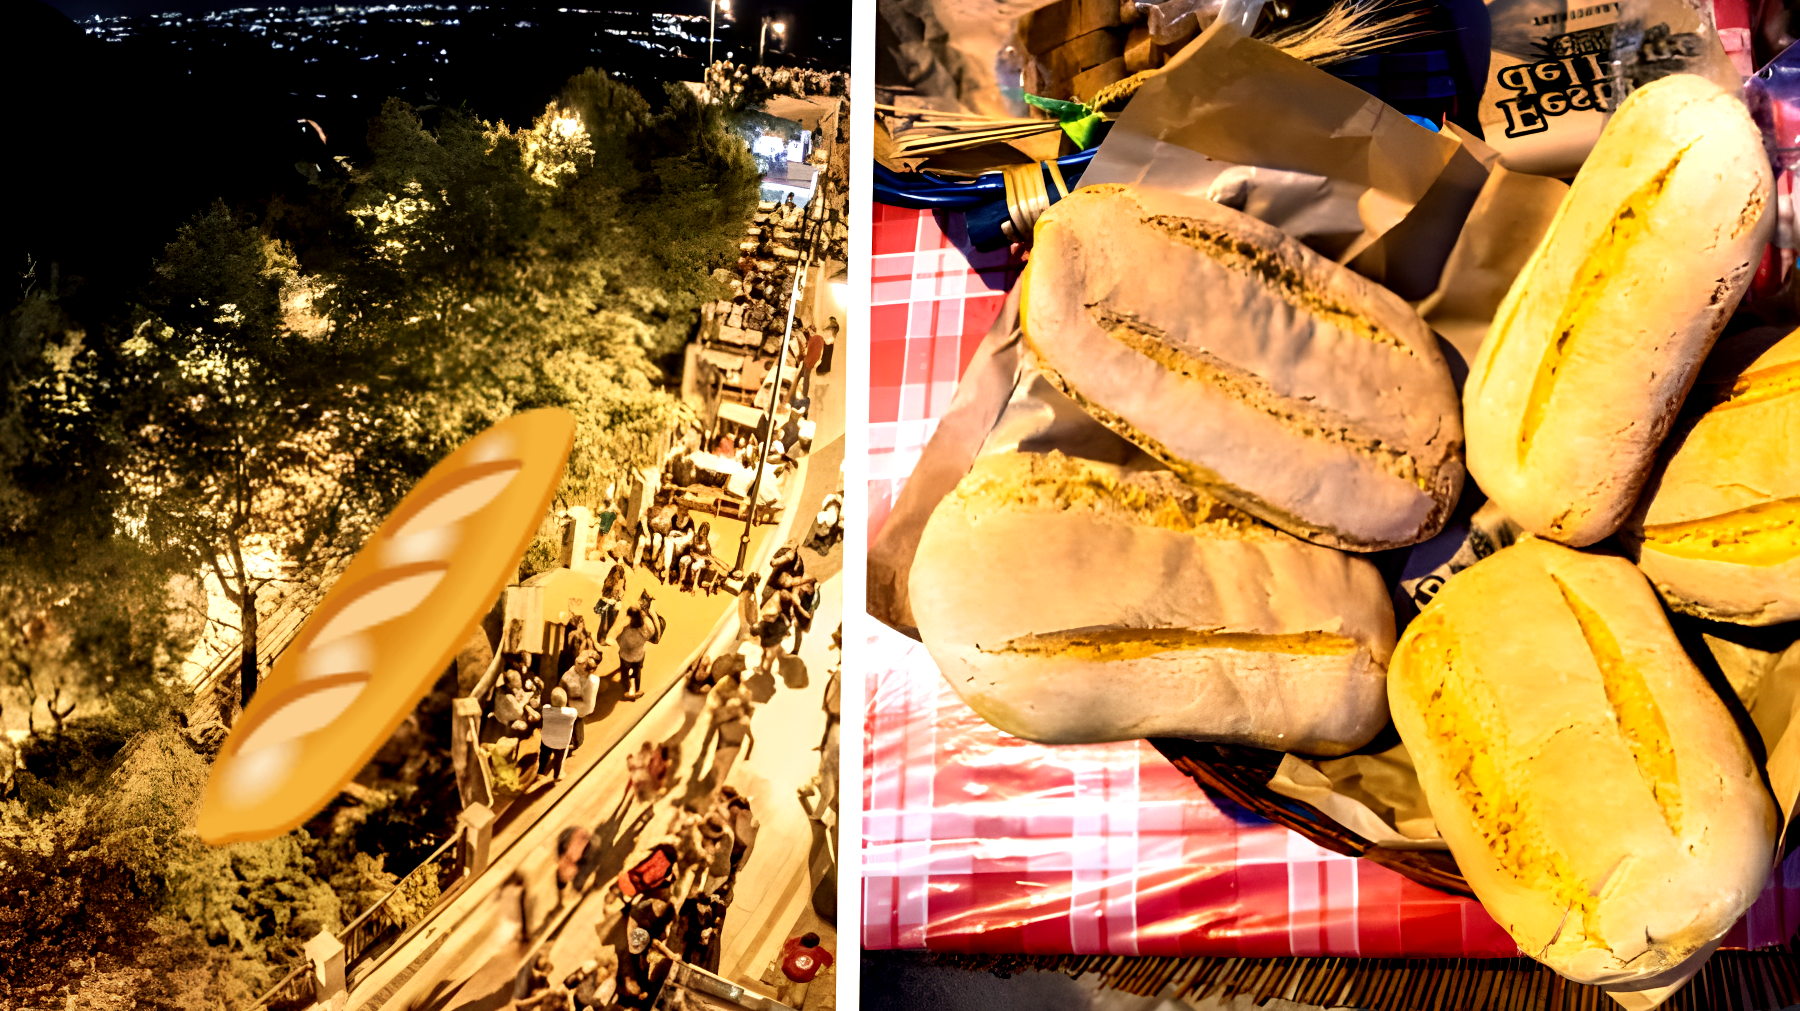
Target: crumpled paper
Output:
[
  {"x": 1240, "y": 121},
  {"x": 1344, "y": 173},
  {"x": 1375, "y": 796}
]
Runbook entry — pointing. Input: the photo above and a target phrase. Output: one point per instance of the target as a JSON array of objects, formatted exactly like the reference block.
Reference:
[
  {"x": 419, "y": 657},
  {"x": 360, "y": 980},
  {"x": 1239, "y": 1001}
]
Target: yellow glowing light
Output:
[
  {"x": 567, "y": 126},
  {"x": 780, "y": 28}
]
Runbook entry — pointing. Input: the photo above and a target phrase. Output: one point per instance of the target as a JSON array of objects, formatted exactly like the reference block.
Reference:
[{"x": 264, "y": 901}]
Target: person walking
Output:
[
  {"x": 825, "y": 785},
  {"x": 802, "y": 959},
  {"x": 558, "y": 735},
  {"x": 734, "y": 736},
  {"x": 612, "y": 594},
  {"x": 715, "y": 829},
  {"x": 771, "y": 632},
  {"x": 581, "y": 683},
  {"x": 815, "y": 350},
  {"x": 694, "y": 693},
  {"x": 793, "y": 589},
  {"x": 643, "y": 628},
  {"x": 749, "y": 611},
  {"x": 831, "y": 338}
]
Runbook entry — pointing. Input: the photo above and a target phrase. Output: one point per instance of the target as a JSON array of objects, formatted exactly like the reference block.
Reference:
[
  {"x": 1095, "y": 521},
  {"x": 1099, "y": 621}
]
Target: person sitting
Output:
[
  {"x": 682, "y": 472},
  {"x": 654, "y": 526},
  {"x": 534, "y": 695},
  {"x": 681, "y": 534},
  {"x": 509, "y": 701},
  {"x": 698, "y": 566}
]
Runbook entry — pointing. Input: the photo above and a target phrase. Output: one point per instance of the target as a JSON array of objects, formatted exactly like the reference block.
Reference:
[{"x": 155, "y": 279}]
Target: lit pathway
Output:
[{"x": 471, "y": 963}]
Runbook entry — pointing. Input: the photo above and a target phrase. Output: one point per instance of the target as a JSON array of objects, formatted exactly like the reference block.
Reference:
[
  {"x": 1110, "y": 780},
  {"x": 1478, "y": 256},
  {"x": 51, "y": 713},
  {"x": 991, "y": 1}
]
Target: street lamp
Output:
[
  {"x": 717, "y": 8},
  {"x": 762, "y": 38},
  {"x": 795, "y": 293}
]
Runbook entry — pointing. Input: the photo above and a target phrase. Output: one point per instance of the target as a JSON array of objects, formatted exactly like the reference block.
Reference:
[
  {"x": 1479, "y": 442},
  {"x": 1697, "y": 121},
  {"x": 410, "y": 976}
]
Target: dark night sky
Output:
[
  {"x": 126, "y": 132},
  {"x": 78, "y": 9},
  {"x": 812, "y": 18}
]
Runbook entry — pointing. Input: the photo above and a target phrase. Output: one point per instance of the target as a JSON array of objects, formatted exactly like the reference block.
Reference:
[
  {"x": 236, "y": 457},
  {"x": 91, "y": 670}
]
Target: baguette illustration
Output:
[
  {"x": 388, "y": 628},
  {"x": 1595, "y": 345},
  {"x": 1069, "y": 601},
  {"x": 1718, "y": 526},
  {"x": 1595, "y": 791},
  {"x": 1254, "y": 368}
]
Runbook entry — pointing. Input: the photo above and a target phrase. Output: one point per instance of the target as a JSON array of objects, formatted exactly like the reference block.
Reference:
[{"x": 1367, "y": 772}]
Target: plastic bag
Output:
[{"x": 1558, "y": 70}]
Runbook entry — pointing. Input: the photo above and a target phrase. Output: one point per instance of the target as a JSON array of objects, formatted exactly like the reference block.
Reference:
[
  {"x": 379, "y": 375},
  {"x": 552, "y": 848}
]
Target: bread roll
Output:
[
  {"x": 1254, "y": 368},
  {"x": 394, "y": 620},
  {"x": 1596, "y": 343},
  {"x": 1718, "y": 528},
  {"x": 1595, "y": 791},
  {"x": 1068, "y": 601}
]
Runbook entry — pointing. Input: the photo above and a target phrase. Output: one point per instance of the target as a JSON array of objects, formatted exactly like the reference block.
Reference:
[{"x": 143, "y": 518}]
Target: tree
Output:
[
  {"x": 239, "y": 417},
  {"x": 510, "y": 269},
  {"x": 88, "y": 622}
]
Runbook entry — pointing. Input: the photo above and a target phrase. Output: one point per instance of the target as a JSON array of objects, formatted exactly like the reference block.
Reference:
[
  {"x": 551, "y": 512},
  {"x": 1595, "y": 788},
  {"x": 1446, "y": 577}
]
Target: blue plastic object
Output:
[{"x": 984, "y": 199}]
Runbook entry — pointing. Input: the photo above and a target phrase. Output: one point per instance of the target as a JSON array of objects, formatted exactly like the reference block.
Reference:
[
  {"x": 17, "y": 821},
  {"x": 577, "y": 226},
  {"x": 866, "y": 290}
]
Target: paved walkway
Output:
[
  {"x": 692, "y": 618},
  {"x": 480, "y": 925},
  {"x": 469, "y": 958}
]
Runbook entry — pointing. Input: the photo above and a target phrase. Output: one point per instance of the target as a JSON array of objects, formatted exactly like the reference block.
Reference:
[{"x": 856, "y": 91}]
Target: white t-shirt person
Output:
[{"x": 558, "y": 733}]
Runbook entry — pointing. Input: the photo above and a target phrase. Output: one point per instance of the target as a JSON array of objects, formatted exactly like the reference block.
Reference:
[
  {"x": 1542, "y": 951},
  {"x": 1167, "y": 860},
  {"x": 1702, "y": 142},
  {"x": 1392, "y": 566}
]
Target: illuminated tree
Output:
[{"x": 239, "y": 417}]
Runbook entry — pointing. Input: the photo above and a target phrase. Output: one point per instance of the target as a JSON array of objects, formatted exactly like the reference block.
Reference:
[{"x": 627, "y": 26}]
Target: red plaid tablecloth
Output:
[{"x": 977, "y": 841}]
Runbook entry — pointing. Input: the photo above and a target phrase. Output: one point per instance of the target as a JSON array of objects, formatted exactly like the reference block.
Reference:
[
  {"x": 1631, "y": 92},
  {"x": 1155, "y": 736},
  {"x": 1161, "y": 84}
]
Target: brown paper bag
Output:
[{"x": 1243, "y": 103}]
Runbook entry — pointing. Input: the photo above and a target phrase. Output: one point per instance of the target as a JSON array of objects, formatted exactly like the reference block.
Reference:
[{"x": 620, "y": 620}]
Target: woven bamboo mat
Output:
[{"x": 1765, "y": 980}]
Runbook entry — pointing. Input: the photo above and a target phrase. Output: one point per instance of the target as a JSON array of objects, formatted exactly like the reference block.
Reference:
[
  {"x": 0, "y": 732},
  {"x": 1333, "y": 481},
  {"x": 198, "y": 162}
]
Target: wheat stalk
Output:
[{"x": 1349, "y": 29}]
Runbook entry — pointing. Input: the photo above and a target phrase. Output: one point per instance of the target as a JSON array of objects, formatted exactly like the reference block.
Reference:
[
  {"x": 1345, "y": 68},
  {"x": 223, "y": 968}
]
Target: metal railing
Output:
[
  {"x": 379, "y": 921},
  {"x": 295, "y": 988},
  {"x": 367, "y": 934}
]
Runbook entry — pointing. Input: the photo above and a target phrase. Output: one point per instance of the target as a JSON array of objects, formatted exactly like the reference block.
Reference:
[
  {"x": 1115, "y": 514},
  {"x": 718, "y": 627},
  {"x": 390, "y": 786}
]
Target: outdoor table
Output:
[{"x": 1011, "y": 854}]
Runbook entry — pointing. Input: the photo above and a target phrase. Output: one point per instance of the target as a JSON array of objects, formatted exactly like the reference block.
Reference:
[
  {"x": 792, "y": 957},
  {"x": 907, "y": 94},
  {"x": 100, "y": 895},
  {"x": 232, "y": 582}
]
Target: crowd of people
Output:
[{"x": 670, "y": 901}]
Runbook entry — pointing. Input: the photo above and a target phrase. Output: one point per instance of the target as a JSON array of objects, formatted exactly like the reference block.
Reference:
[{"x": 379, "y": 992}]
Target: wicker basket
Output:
[{"x": 1243, "y": 774}]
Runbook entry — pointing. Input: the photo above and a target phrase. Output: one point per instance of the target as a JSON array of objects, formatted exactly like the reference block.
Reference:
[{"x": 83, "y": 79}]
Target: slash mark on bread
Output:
[
  {"x": 1633, "y": 707},
  {"x": 1767, "y": 533},
  {"x": 1120, "y": 644},
  {"x": 1603, "y": 262},
  {"x": 1469, "y": 736},
  {"x": 1276, "y": 273},
  {"x": 1199, "y": 477},
  {"x": 1054, "y": 482},
  {"x": 1299, "y": 416},
  {"x": 1753, "y": 388}
]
